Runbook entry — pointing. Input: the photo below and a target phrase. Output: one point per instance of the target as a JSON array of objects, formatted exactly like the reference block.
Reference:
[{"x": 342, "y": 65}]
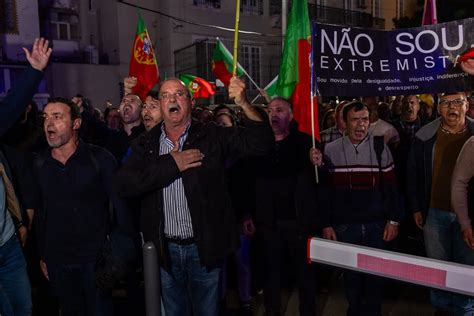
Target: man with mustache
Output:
[
  {"x": 430, "y": 167},
  {"x": 178, "y": 171},
  {"x": 360, "y": 205}
]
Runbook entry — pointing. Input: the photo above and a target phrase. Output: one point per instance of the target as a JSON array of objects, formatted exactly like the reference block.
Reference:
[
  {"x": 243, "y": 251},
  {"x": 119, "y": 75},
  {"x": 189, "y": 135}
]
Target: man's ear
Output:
[{"x": 76, "y": 124}]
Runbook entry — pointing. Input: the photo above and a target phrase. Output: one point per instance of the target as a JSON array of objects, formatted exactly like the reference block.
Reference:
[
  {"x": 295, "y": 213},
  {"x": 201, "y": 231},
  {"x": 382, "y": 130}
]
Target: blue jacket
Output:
[
  {"x": 420, "y": 166},
  {"x": 18, "y": 98}
]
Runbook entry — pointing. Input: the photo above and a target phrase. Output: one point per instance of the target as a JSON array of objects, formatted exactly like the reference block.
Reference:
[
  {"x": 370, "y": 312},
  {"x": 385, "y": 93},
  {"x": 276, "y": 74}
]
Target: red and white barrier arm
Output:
[{"x": 438, "y": 274}]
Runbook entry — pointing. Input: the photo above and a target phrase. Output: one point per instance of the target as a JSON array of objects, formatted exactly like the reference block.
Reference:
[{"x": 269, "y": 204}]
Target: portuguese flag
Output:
[
  {"x": 143, "y": 61},
  {"x": 222, "y": 64},
  {"x": 294, "y": 79},
  {"x": 198, "y": 87}
]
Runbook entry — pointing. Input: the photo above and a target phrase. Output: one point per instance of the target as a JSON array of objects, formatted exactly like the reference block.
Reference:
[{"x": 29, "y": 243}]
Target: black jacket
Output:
[
  {"x": 285, "y": 184},
  {"x": 420, "y": 166},
  {"x": 146, "y": 173}
]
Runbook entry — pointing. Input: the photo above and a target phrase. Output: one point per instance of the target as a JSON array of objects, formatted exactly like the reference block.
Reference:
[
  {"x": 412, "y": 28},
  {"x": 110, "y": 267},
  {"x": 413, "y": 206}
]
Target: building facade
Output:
[{"x": 92, "y": 39}]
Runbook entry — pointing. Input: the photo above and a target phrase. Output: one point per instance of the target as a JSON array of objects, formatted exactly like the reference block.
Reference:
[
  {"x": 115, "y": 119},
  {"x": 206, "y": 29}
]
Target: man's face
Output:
[
  {"x": 453, "y": 108},
  {"x": 280, "y": 115},
  {"x": 151, "y": 113},
  {"x": 58, "y": 126},
  {"x": 130, "y": 108},
  {"x": 410, "y": 108},
  {"x": 224, "y": 119},
  {"x": 357, "y": 125},
  {"x": 113, "y": 119},
  {"x": 175, "y": 103}
]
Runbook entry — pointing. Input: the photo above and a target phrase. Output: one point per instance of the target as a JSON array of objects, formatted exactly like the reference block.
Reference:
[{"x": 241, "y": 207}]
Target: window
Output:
[
  {"x": 275, "y": 7},
  {"x": 250, "y": 60},
  {"x": 8, "y": 17},
  {"x": 208, "y": 3},
  {"x": 377, "y": 8},
  {"x": 362, "y": 4},
  {"x": 254, "y": 7},
  {"x": 401, "y": 8},
  {"x": 64, "y": 26},
  {"x": 348, "y": 5}
]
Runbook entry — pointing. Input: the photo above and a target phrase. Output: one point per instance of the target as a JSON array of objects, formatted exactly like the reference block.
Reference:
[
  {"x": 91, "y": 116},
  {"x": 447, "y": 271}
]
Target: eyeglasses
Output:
[
  {"x": 180, "y": 95},
  {"x": 455, "y": 102}
]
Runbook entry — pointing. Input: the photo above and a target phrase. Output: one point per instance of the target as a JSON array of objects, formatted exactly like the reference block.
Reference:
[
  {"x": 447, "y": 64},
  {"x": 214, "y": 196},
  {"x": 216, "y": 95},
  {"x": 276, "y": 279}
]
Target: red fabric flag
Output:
[
  {"x": 198, "y": 87},
  {"x": 294, "y": 79},
  {"x": 143, "y": 64},
  {"x": 222, "y": 64}
]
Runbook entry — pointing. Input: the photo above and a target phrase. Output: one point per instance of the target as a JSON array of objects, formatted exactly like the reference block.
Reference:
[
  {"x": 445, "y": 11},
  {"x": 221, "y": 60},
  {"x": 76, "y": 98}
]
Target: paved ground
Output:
[{"x": 400, "y": 300}]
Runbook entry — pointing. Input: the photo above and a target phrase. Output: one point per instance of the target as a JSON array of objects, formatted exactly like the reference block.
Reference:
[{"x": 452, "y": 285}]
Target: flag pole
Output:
[
  {"x": 312, "y": 101},
  {"x": 236, "y": 37}
]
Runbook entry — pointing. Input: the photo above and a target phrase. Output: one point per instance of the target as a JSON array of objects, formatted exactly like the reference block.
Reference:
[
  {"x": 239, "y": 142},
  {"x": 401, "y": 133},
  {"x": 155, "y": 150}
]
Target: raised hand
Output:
[
  {"x": 237, "y": 91},
  {"x": 186, "y": 159},
  {"x": 316, "y": 157},
  {"x": 39, "y": 55},
  {"x": 128, "y": 84}
]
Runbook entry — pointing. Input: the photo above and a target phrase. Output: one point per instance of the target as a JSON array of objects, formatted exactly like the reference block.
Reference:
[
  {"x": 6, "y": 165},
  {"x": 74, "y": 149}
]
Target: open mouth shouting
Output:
[{"x": 173, "y": 108}]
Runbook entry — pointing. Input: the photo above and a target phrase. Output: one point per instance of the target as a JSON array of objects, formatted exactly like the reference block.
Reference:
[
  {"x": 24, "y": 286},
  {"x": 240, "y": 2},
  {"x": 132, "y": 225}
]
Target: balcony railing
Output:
[
  {"x": 216, "y": 4},
  {"x": 344, "y": 17},
  {"x": 332, "y": 15}
]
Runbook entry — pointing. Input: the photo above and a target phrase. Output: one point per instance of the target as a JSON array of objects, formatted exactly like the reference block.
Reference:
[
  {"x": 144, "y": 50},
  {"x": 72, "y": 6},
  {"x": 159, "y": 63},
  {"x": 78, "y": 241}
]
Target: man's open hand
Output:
[{"x": 39, "y": 55}]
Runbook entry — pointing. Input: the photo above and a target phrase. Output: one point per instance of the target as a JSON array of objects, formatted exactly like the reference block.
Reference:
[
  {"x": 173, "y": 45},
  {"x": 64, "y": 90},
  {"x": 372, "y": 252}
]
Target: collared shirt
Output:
[
  {"x": 329, "y": 135},
  {"x": 178, "y": 222}
]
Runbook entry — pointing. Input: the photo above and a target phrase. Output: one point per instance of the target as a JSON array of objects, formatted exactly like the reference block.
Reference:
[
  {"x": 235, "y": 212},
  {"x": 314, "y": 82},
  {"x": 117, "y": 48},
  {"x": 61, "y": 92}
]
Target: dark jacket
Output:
[
  {"x": 73, "y": 219},
  {"x": 146, "y": 173},
  {"x": 420, "y": 166},
  {"x": 18, "y": 98},
  {"x": 285, "y": 184}
]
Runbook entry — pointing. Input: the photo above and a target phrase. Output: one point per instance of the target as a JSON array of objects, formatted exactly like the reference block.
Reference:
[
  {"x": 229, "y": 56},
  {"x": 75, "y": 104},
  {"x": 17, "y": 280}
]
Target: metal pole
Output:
[
  {"x": 284, "y": 11},
  {"x": 151, "y": 271}
]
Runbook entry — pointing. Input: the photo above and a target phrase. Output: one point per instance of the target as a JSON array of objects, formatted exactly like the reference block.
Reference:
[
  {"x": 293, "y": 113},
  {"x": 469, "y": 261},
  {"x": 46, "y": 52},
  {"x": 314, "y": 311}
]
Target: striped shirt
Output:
[{"x": 178, "y": 222}]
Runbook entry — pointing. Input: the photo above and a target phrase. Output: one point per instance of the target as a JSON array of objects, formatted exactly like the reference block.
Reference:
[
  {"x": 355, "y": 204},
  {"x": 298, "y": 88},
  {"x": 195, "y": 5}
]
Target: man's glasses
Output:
[
  {"x": 455, "y": 102},
  {"x": 180, "y": 95}
]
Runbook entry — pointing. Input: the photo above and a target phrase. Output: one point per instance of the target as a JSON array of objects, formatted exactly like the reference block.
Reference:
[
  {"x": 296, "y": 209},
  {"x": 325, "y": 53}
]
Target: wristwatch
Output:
[{"x": 394, "y": 223}]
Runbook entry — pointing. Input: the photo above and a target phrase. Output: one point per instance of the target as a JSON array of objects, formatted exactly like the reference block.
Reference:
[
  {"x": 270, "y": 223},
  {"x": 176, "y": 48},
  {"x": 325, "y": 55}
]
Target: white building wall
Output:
[{"x": 98, "y": 82}]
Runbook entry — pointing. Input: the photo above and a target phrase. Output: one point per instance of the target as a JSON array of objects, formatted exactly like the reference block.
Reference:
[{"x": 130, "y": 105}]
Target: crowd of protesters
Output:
[{"x": 224, "y": 188}]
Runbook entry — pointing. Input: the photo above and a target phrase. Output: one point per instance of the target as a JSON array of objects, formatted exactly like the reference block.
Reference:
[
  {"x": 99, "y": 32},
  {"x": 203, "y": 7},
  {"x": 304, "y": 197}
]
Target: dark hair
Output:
[
  {"x": 356, "y": 105},
  {"x": 108, "y": 110},
  {"x": 281, "y": 99},
  {"x": 324, "y": 123},
  {"x": 154, "y": 94},
  {"x": 450, "y": 93},
  {"x": 74, "y": 109}
]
